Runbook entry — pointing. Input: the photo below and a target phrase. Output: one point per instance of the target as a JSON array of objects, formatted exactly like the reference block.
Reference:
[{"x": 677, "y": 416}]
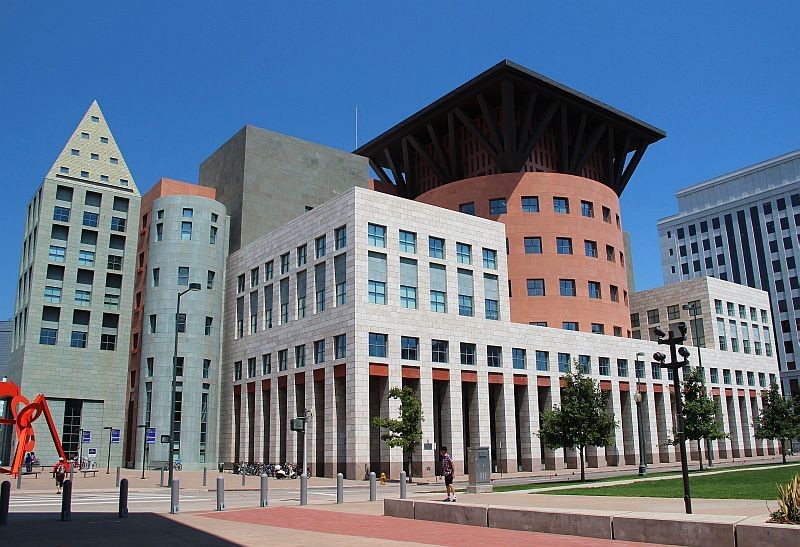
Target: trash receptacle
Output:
[{"x": 221, "y": 467}]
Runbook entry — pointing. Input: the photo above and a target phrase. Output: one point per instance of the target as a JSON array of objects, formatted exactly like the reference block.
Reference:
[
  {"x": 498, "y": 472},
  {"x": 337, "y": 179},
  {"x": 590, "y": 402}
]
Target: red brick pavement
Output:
[{"x": 397, "y": 529}]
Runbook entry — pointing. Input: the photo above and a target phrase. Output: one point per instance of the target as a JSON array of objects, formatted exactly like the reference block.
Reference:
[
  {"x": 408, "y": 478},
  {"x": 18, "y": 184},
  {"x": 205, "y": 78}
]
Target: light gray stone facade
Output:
[{"x": 482, "y": 381}]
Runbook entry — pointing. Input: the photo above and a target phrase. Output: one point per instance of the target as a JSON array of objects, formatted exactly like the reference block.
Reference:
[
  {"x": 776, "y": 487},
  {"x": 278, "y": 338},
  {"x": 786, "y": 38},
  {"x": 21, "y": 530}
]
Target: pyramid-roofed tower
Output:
[{"x": 91, "y": 154}]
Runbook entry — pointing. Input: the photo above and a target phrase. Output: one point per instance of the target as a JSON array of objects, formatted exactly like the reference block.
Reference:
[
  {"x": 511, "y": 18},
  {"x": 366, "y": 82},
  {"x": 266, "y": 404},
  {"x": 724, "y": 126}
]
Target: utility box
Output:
[{"x": 480, "y": 465}]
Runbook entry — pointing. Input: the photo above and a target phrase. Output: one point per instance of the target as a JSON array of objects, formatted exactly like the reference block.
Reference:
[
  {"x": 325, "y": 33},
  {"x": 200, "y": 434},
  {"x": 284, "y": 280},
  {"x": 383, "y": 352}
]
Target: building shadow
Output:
[{"x": 89, "y": 529}]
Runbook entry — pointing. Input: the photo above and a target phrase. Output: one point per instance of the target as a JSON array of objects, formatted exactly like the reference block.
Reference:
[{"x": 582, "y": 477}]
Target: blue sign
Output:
[
  {"x": 115, "y": 436},
  {"x": 150, "y": 437},
  {"x": 87, "y": 436}
]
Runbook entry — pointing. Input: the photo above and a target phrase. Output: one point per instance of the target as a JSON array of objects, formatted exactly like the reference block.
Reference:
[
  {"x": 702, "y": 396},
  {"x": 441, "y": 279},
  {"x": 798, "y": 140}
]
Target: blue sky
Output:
[{"x": 176, "y": 79}]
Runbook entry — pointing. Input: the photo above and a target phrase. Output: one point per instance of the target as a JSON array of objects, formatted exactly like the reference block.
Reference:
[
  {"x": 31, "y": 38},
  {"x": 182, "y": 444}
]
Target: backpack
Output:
[{"x": 60, "y": 471}]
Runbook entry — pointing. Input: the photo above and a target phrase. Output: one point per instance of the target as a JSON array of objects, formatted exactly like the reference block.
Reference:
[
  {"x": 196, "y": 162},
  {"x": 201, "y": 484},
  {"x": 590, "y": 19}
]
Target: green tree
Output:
[
  {"x": 405, "y": 431},
  {"x": 581, "y": 420},
  {"x": 779, "y": 418},
  {"x": 699, "y": 411}
]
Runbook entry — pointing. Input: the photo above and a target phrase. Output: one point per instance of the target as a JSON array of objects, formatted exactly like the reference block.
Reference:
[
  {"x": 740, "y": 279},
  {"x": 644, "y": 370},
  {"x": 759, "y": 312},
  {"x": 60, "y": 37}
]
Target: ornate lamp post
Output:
[
  {"x": 692, "y": 308},
  {"x": 192, "y": 287},
  {"x": 638, "y": 398},
  {"x": 673, "y": 341}
]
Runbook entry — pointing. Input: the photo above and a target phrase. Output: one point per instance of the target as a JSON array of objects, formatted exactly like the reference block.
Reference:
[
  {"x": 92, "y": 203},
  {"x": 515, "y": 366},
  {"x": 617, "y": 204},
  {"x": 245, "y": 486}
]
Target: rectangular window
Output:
[
  {"x": 497, "y": 206},
  {"x": 340, "y": 346},
  {"x": 494, "y": 356},
  {"x": 464, "y": 253},
  {"x": 530, "y": 204},
  {"x": 376, "y": 235},
  {"x": 715, "y": 375},
  {"x": 183, "y": 275},
  {"x": 108, "y": 342},
  {"x": 590, "y": 248},
  {"x": 561, "y": 205},
  {"x": 409, "y": 348},
  {"x": 490, "y": 259},
  {"x": 465, "y": 308},
  {"x": 210, "y": 279},
  {"x": 209, "y": 324},
  {"x": 542, "y": 360},
  {"x": 237, "y": 371},
  {"x": 598, "y": 328},
  {"x": 594, "y": 289},
  {"x": 564, "y": 245},
  {"x": 536, "y": 287},
  {"x": 585, "y": 364},
  {"x": 468, "y": 353},
  {"x": 564, "y": 362},
  {"x": 567, "y": 287},
  {"x": 622, "y": 368},
  {"x": 284, "y": 263},
  {"x": 655, "y": 369},
  {"x": 652, "y": 317},
  {"x": 206, "y": 368},
  {"x": 269, "y": 270},
  {"x": 57, "y": 253},
  {"x": 467, "y": 208},
  {"x": 300, "y": 356},
  {"x": 436, "y": 247},
  {"x": 251, "y": 367},
  {"x": 52, "y": 295},
  {"x": 83, "y": 298},
  {"x": 212, "y": 235},
  {"x": 408, "y": 242},
  {"x": 319, "y": 352},
  {"x": 587, "y": 209},
  {"x": 187, "y": 212},
  {"x": 114, "y": 262},
  {"x": 159, "y": 232},
  {"x": 533, "y": 245},
  {"x": 302, "y": 255},
  {"x": 340, "y": 235},
  {"x": 519, "y": 358},
  {"x": 61, "y": 214},
  {"x": 48, "y": 337},
  {"x": 85, "y": 258},
  {"x": 439, "y": 351},
  {"x": 439, "y": 301},
  {"x": 181, "y": 322},
  {"x": 90, "y": 219},
  {"x": 604, "y": 366},
  {"x": 377, "y": 292},
  {"x": 635, "y": 320},
  {"x": 408, "y": 297},
  {"x": 78, "y": 339},
  {"x": 118, "y": 224},
  {"x": 153, "y": 323},
  {"x": 610, "y": 256},
  {"x": 377, "y": 344},
  {"x": 319, "y": 246},
  {"x": 283, "y": 359}
]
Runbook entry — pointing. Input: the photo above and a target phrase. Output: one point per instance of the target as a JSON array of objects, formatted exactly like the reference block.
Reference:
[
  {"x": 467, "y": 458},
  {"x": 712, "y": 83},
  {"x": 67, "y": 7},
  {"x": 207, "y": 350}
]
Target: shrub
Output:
[{"x": 788, "y": 502}]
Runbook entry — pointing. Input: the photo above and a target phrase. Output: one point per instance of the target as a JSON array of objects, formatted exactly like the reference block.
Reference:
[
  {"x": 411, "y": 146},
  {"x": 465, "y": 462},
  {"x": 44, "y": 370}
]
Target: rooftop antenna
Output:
[{"x": 356, "y": 134}]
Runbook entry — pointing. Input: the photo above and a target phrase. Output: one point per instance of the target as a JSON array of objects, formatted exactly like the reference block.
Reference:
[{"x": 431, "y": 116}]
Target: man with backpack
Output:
[{"x": 60, "y": 471}]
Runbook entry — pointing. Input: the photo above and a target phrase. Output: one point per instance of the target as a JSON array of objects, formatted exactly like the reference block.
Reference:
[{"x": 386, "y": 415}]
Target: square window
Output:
[
  {"x": 530, "y": 204},
  {"x": 377, "y": 292},
  {"x": 439, "y": 301},
  {"x": 468, "y": 354},
  {"x": 497, "y": 206},
  {"x": 536, "y": 287},
  {"x": 564, "y": 245},
  {"x": 409, "y": 348},
  {"x": 561, "y": 205},
  {"x": 587, "y": 209},
  {"x": 78, "y": 339},
  {"x": 567, "y": 287},
  {"x": 594, "y": 290},
  {"x": 118, "y": 224},
  {"x": 467, "y": 208},
  {"x": 533, "y": 245},
  {"x": 408, "y": 242},
  {"x": 494, "y": 356},
  {"x": 464, "y": 253},
  {"x": 377, "y": 344},
  {"x": 490, "y": 259},
  {"x": 376, "y": 235},
  {"x": 436, "y": 247},
  {"x": 590, "y": 248}
]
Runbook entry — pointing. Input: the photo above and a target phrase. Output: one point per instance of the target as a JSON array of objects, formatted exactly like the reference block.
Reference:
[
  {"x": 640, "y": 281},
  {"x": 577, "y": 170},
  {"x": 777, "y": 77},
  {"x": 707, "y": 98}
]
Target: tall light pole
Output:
[
  {"x": 673, "y": 341},
  {"x": 143, "y": 427},
  {"x": 638, "y": 398},
  {"x": 108, "y": 460},
  {"x": 192, "y": 287},
  {"x": 691, "y": 307}
]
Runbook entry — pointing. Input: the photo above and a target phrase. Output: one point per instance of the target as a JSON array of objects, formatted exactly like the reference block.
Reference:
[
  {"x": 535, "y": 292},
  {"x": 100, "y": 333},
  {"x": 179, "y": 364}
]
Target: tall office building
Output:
[
  {"x": 75, "y": 289},
  {"x": 744, "y": 227}
]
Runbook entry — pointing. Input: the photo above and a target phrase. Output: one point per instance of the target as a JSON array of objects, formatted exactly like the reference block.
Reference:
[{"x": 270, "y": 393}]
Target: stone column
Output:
[
  {"x": 424, "y": 460},
  {"x": 747, "y": 425},
  {"x": 258, "y": 425},
  {"x": 669, "y": 452},
  {"x": 244, "y": 425},
  {"x": 291, "y": 405},
  {"x": 529, "y": 426},
  {"x": 615, "y": 454},
  {"x": 507, "y": 427},
  {"x": 357, "y": 422},
  {"x": 331, "y": 433},
  {"x": 734, "y": 428},
  {"x": 553, "y": 459},
  {"x": 452, "y": 422},
  {"x": 723, "y": 446}
]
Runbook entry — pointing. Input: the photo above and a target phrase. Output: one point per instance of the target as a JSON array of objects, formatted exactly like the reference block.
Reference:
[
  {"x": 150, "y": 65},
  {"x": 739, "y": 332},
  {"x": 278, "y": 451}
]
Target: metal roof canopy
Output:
[{"x": 586, "y": 123}]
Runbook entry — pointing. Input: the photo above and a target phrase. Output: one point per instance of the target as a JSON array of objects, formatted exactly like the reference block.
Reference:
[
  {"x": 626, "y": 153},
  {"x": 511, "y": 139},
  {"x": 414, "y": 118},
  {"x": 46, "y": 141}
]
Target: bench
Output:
[
  {"x": 34, "y": 473},
  {"x": 86, "y": 471},
  {"x": 158, "y": 464}
]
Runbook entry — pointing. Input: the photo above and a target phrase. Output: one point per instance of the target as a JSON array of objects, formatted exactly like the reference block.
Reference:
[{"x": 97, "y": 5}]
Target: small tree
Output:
[
  {"x": 581, "y": 420},
  {"x": 699, "y": 411},
  {"x": 406, "y": 430},
  {"x": 779, "y": 418}
]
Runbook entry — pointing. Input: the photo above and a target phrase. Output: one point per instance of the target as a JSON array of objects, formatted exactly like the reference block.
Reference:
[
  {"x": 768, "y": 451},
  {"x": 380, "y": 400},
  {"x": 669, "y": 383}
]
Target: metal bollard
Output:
[
  {"x": 402, "y": 485},
  {"x": 303, "y": 489},
  {"x": 66, "y": 501},
  {"x": 220, "y": 493},
  {"x": 72, "y": 472},
  {"x": 373, "y": 487},
  {"x": 174, "y": 508},
  {"x": 264, "y": 490},
  {"x": 339, "y": 488},
  {"x": 123, "y": 498},
  {"x": 161, "y": 481},
  {"x": 118, "y": 476},
  {"x": 244, "y": 476},
  {"x": 5, "y": 499},
  {"x": 19, "y": 480},
  {"x": 205, "y": 475}
]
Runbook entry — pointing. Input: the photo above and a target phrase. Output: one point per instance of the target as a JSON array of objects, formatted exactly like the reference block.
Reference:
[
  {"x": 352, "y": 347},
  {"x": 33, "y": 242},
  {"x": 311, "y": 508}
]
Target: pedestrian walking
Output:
[
  {"x": 60, "y": 472},
  {"x": 448, "y": 472}
]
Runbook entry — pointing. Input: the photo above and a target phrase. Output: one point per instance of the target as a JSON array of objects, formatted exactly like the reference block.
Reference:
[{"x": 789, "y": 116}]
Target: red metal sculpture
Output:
[{"x": 23, "y": 420}]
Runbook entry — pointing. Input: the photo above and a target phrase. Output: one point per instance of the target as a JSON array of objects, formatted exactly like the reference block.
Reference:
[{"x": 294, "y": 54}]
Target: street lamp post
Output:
[
  {"x": 108, "y": 460},
  {"x": 673, "y": 341},
  {"x": 638, "y": 398},
  {"x": 143, "y": 427},
  {"x": 192, "y": 287},
  {"x": 693, "y": 313}
]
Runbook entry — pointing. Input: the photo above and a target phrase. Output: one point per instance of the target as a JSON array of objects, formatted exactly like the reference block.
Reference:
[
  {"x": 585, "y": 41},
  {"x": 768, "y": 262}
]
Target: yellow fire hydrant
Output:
[{"x": 383, "y": 478}]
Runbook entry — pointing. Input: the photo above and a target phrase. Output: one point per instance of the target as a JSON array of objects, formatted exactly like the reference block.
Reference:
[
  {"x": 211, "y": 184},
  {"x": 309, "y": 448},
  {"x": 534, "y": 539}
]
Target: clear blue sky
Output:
[{"x": 175, "y": 79}]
